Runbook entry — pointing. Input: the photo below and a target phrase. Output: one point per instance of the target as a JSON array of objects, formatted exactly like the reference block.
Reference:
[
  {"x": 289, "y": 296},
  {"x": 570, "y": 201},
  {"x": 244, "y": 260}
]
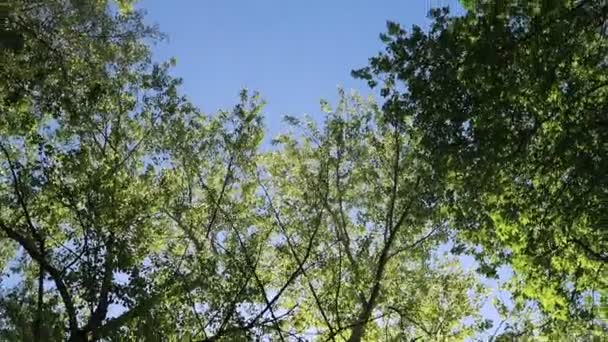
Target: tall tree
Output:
[
  {"x": 509, "y": 106},
  {"x": 91, "y": 137},
  {"x": 355, "y": 186}
]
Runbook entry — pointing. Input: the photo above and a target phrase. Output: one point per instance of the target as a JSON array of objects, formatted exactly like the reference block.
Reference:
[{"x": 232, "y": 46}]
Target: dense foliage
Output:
[
  {"x": 128, "y": 214},
  {"x": 510, "y": 108}
]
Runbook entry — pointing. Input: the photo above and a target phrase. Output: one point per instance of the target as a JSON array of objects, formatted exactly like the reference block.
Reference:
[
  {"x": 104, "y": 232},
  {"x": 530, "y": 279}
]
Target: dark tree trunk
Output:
[{"x": 38, "y": 321}]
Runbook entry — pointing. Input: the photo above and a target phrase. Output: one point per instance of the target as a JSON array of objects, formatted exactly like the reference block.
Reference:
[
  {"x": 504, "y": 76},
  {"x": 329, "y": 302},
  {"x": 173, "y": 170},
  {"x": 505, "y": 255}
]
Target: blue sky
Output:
[{"x": 293, "y": 52}]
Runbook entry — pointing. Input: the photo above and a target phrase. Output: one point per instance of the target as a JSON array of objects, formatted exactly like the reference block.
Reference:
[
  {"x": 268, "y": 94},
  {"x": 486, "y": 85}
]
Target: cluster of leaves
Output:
[{"x": 509, "y": 106}]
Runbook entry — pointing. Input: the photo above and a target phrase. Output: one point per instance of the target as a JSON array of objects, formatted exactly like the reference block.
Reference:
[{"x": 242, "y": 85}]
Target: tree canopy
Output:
[
  {"x": 126, "y": 213},
  {"x": 509, "y": 106}
]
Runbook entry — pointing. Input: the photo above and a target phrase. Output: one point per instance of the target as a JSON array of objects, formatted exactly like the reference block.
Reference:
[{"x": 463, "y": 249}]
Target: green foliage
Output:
[
  {"x": 126, "y": 214},
  {"x": 509, "y": 107},
  {"x": 374, "y": 234},
  {"x": 468, "y": 4}
]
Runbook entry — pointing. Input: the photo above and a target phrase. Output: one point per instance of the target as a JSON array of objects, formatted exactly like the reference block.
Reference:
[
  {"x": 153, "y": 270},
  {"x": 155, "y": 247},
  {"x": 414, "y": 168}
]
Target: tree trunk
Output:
[
  {"x": 78, "y": 336},
  {"x": 38, "y": 321}
]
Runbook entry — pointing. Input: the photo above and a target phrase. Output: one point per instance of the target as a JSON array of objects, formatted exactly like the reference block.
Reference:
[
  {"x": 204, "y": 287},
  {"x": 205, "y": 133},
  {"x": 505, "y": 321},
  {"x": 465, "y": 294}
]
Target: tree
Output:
[
  {"x": 509, "y": 107},
  {"x": 86, "y": 178},
  {"x": 376, "y": 227},
  {"x": 127, "y": 214}
]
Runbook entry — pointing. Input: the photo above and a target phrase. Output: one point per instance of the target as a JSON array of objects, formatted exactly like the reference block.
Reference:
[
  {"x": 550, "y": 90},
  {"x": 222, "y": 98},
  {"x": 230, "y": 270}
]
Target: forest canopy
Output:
[{"x": 128, "y": 214}]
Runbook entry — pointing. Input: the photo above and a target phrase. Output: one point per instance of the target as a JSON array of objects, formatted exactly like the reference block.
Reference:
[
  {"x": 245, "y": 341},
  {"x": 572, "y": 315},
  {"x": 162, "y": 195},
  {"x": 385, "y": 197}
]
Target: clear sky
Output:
[{"x": 293, "y": 52}]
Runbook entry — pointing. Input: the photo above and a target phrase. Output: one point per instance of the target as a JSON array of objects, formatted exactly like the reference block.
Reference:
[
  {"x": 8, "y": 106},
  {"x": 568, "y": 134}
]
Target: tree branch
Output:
[
  {"x": 54, "y": 273},
  {"x": 104, "y": 301},
  {"x": 114, "y": 324},
  {"x": 359, "y": 329},
  {"x": 295, "y": 254}
]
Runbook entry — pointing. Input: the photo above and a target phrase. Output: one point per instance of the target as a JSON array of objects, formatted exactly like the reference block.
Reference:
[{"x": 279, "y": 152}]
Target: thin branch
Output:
[
  {"x": 344, "y": 232},
  {"x": 230, "y": 312},
  {"x": 411, "y": 320},
  {"x": 393, "y": 197},
  {"x": 338, "y": 287},
  {"x": 414, "y": 244},
  {"x": 253, "y": 267},
  {"x": 248, "y": 327},
  {"x": 19, "y": 194},
  {"x": 146, "y": 304},
  {"x": 227, "y": 178},
  {"x": 356, "y": 323},
  {"x": 502, "y": 322},
  {"x": 294, "y": 254},
  {"x": 197, "y": 243},
  {"x": 589, "y": 251}
]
